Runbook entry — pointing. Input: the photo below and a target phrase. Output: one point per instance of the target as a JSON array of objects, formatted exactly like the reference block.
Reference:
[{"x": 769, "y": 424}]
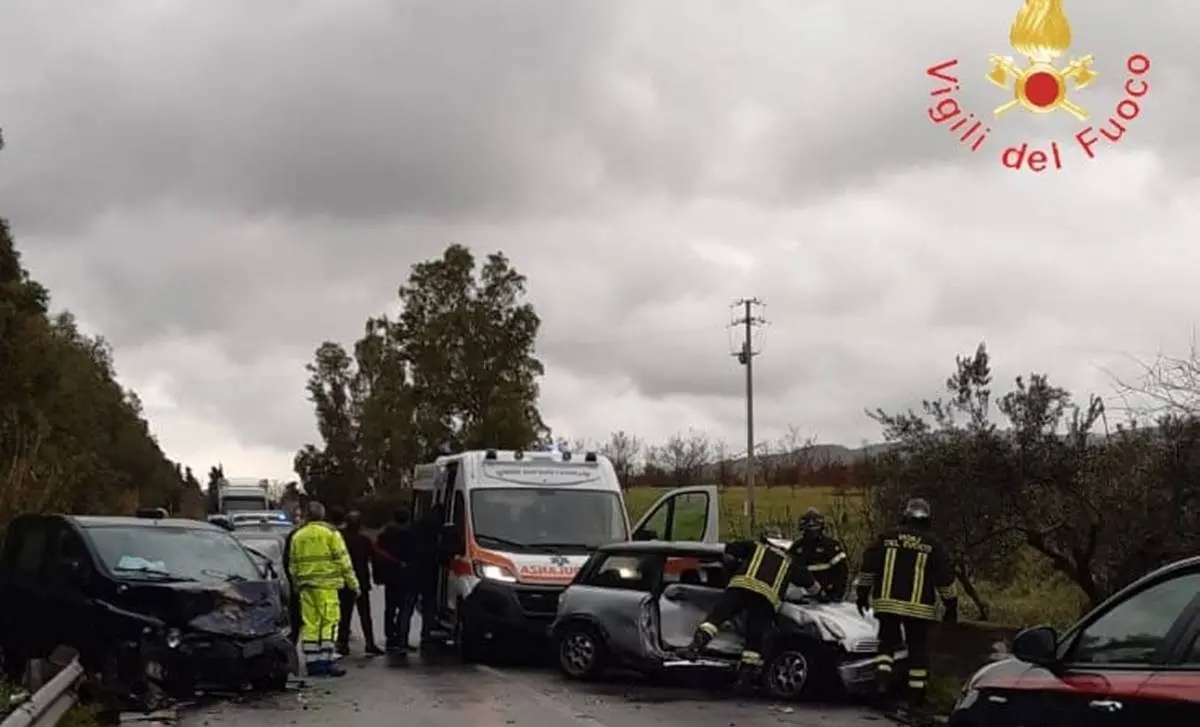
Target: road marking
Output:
[{"x": 542, "y": 699}]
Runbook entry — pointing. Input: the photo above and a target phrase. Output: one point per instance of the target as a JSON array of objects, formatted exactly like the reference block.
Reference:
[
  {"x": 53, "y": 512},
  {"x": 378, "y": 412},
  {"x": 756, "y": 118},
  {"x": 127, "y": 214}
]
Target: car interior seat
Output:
[{"x": 691, "y": 577}]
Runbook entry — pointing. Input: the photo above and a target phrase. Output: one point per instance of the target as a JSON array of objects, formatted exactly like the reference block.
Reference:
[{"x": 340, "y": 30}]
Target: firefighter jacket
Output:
[
  {"x": 765, "y": 569},
  {"x": 826, "y": 560},
  {"x": 905, "y": 571},
  {"x": 317, "y": 558}
]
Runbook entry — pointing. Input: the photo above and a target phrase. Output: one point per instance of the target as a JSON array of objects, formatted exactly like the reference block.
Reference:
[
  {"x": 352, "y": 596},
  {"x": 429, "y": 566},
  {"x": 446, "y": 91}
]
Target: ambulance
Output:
[{"x": 517, "y": 526}]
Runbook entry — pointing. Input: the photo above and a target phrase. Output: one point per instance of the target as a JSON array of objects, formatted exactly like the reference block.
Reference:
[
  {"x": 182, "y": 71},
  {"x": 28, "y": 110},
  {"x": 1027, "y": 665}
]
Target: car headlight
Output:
[
  {"x": 173, "y": 638},
  {"x": 491, "y": 572}
]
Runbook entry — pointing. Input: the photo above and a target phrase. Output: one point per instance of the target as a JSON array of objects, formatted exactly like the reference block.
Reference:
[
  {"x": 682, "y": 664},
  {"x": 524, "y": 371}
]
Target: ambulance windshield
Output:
[{"x": 536, "y": 519}]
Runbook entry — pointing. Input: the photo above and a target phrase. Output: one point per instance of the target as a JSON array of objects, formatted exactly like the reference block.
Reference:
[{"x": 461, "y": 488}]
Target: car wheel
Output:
[
  {"x": 470, "y": 644},
  {"x": 792, "y": 672},
  {"x": 581, "y": 652},
  {"x": 276, "y": 682}
]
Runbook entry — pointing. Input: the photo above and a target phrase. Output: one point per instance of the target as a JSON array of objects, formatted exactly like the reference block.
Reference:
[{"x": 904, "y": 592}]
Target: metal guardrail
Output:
[{"x": 49, "y": 703}]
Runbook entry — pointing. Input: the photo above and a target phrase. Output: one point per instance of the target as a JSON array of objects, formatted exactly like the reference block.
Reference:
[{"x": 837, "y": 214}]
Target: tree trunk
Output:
[{"x": 972, "y": 592}]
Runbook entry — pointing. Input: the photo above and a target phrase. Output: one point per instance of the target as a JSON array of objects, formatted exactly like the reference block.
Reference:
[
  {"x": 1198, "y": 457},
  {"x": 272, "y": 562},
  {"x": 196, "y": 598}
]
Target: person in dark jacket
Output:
[
  {"x": 392, "y": 571},
  {"x": 823, "y": 555},
  {"x": 761, "y": 574},
  {"x": 294, "y": 602},
  {"x": 362, "y": 557},
  {"x": 904, "y": 574},
  {"x": 427, "y": 560}
]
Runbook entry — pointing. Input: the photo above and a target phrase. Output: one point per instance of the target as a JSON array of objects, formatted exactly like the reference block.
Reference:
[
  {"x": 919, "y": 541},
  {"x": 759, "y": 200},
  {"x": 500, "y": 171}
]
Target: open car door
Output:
[{"x": 684, "y": 514}]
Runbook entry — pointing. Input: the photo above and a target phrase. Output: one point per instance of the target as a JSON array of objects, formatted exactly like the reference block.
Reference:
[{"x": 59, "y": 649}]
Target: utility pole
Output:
[{"x": 745, "y": 356}]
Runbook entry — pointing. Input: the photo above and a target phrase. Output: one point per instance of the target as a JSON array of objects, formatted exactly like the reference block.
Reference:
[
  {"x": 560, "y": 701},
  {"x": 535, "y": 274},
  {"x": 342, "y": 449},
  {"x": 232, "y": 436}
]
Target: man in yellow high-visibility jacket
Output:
[{"x": 320, "y": 566}]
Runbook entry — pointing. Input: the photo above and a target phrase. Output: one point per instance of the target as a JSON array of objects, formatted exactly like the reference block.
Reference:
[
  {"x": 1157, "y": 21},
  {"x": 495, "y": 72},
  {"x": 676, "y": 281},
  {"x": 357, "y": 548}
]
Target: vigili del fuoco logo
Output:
[{"x": 1039, "y": 84}]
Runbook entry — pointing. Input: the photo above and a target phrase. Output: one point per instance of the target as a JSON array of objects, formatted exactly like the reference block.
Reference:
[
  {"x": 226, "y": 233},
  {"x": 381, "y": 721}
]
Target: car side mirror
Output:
[
  {"x": 645, "y": 534},
  {"x": 1037, "y": 646},
  {"x": 70, "y": 570}
]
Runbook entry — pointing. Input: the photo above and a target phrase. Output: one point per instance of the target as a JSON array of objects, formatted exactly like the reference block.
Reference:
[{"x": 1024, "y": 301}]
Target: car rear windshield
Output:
[
  {"x": 532, "y": 519},
  {"x": 167, "y": 553}
]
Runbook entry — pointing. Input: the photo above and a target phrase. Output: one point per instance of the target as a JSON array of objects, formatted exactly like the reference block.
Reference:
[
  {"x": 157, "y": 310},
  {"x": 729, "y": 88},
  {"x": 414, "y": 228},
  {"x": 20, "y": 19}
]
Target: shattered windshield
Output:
[
  {"x": 532, "y": 519},
  {"x": 270, "y": 547},
  {"x": 166, "y": 553}
]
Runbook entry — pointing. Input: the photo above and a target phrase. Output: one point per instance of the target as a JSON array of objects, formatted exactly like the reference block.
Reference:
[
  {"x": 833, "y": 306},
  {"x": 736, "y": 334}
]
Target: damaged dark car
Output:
[{"x": 157, "y": 607}]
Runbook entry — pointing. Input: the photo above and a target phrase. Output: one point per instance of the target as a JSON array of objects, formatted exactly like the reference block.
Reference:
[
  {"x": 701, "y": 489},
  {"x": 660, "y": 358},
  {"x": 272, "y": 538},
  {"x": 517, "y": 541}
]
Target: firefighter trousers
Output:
[
  {"x": 894, "y": 632},
  {"x": 760, "y": 615},
  {"x": 319, "y": 616}
]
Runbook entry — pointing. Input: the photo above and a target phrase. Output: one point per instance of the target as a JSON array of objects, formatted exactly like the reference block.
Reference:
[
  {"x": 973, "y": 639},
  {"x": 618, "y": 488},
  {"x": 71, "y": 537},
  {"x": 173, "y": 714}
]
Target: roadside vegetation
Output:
[{"x": 71, "y": 437}]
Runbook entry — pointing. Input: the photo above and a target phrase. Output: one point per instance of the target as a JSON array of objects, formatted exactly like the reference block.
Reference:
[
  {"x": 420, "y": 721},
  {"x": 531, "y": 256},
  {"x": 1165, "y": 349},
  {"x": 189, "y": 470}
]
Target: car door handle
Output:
[{"x": 1106, "y": 705}]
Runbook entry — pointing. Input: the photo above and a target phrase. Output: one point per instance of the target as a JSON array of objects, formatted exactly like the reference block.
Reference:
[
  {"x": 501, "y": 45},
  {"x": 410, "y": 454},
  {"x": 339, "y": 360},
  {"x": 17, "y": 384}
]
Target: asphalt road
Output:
[{"x": 436, "y": 691}]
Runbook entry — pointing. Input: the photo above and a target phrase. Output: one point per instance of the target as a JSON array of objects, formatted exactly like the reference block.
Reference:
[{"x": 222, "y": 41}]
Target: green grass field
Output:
[{"x": 1036, "y": 595}]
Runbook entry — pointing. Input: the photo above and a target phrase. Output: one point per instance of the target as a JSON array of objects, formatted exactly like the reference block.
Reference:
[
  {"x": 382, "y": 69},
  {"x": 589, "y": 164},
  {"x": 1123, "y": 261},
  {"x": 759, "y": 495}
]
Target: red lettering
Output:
[
  {"x": 1142, "y": 62},
  {"x": 1037, "y": 161},
  {"x": 1127, "y": 104},
  {"x": 936, "y": 71},
  {"x": 1119, "y": 131},
  {"x": 1086, "y": 144},
  {"x": 1136, "y": 94}
]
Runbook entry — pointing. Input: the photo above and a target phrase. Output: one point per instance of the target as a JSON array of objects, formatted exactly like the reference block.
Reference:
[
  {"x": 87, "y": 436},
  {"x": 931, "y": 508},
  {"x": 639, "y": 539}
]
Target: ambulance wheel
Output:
[
  {"x": 581, "y": 653},
  {"x": 471, "y": 647}
]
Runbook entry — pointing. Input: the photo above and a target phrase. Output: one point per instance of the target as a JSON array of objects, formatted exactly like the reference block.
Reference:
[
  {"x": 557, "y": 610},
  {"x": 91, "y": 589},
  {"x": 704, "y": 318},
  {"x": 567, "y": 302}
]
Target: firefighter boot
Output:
[
  {"x": 749, "y": 671},
  {"x": 704, "y": 634}
]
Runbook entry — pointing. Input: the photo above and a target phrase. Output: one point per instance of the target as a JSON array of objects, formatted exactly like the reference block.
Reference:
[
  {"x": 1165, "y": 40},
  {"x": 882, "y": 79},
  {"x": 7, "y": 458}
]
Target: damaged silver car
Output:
[
  {"x": 156, "y": 607},
  {"x": 635, "y": 605}
]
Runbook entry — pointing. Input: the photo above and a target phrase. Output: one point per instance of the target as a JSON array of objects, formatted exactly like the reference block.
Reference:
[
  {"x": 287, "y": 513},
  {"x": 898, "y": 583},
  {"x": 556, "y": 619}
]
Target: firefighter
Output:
[
  {"x": 320, "y": 568},
  {"x": 903, "y": 574},
  {"x": 823, "y": 555},
  {"x": 761, "y": 574}
]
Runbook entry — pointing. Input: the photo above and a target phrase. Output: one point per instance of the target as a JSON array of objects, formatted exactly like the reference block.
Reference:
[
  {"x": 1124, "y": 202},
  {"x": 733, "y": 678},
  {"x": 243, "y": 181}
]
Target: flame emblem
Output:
[{"x": 1041, "y": 33}]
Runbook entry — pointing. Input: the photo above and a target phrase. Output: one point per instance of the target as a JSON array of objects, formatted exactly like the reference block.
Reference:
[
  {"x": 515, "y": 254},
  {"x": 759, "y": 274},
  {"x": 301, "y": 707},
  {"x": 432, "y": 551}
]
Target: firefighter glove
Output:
[
  {"x": 951, "y": 614},
  {"x": 862, "y": 600}
]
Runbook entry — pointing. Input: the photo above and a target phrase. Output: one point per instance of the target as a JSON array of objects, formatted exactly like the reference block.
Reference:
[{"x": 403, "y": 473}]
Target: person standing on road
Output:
[
  {"x": 399, "y": 595},
  {"x": 362, "y": 557},
  {"x": 320, "y": 567},
  {"x": 294, "y": 618},
  {"x": 823, "y": 555},
  {"x": 761, "y": 575},
  {"x": 427, "y": 559},
  {"x": 904, "y": 572}
]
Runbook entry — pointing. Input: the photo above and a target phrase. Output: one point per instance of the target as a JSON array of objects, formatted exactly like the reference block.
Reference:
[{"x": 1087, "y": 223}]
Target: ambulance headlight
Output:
[{"x": 491, "y": 572}]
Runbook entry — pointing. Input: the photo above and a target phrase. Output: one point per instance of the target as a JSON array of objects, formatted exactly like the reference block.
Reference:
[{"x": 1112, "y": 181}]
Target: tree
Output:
[
  {"x": 71, "y": 438},
  {"x": 951, "y": 455},
  {"x": 469, "y": 337},
  {"x": 623, "y": 449},
  {"x": 684, "y": 458}
]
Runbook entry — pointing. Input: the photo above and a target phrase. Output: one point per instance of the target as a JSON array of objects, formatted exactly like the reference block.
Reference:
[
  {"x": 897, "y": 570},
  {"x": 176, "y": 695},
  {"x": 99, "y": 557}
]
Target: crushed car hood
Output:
[
  {"x": 838, "y": 621},
  {"x": 245, "y": 610}
]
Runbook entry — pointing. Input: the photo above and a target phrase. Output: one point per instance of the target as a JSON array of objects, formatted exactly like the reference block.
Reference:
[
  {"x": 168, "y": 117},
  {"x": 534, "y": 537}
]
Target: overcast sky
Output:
[{"x": 219, "y": 186}]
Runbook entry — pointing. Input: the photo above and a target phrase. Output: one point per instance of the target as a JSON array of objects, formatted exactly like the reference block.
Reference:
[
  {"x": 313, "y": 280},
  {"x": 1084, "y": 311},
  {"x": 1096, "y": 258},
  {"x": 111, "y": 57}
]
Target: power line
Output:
[{"x": 749, "y": 321}]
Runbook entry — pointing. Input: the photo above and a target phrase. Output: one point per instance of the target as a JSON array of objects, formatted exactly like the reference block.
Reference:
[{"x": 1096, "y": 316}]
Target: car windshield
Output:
[
  {"x": 542, "y": 518},
  {"x": 270, "y": 547},
  {"x": 168, "y": 553}
]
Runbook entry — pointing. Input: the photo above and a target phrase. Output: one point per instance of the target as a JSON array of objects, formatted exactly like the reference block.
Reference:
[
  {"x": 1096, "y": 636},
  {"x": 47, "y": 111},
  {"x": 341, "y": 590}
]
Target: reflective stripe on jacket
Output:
[
  {"x": 318, "y": 558},
  {"x": 767, "y": 572}
]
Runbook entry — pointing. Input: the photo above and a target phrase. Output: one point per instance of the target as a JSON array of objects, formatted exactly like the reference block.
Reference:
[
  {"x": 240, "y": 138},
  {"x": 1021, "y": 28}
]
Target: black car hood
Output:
[{"x": 245, "y": 609}]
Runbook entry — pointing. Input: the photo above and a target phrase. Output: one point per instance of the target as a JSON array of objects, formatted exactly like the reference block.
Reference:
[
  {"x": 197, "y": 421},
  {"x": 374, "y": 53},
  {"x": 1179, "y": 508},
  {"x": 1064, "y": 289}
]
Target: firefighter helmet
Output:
[
  {"x": 917, "y": 510},
  {"x": 811, "y": 522}
]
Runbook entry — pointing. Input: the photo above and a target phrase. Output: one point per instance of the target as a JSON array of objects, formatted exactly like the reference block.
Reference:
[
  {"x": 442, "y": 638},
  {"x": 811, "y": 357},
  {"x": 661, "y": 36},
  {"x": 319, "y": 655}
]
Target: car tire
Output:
[
  {"x": 581, "y": 651},
  {"x": 470, "y": 644},
  {"x": 276, "y": 682},
  {"x": 794, "y": 671}
]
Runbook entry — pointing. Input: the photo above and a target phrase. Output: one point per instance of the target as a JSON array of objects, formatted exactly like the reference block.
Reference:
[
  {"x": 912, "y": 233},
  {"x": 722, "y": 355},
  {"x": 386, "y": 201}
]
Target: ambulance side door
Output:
[{"x": 683, "y": 514}]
